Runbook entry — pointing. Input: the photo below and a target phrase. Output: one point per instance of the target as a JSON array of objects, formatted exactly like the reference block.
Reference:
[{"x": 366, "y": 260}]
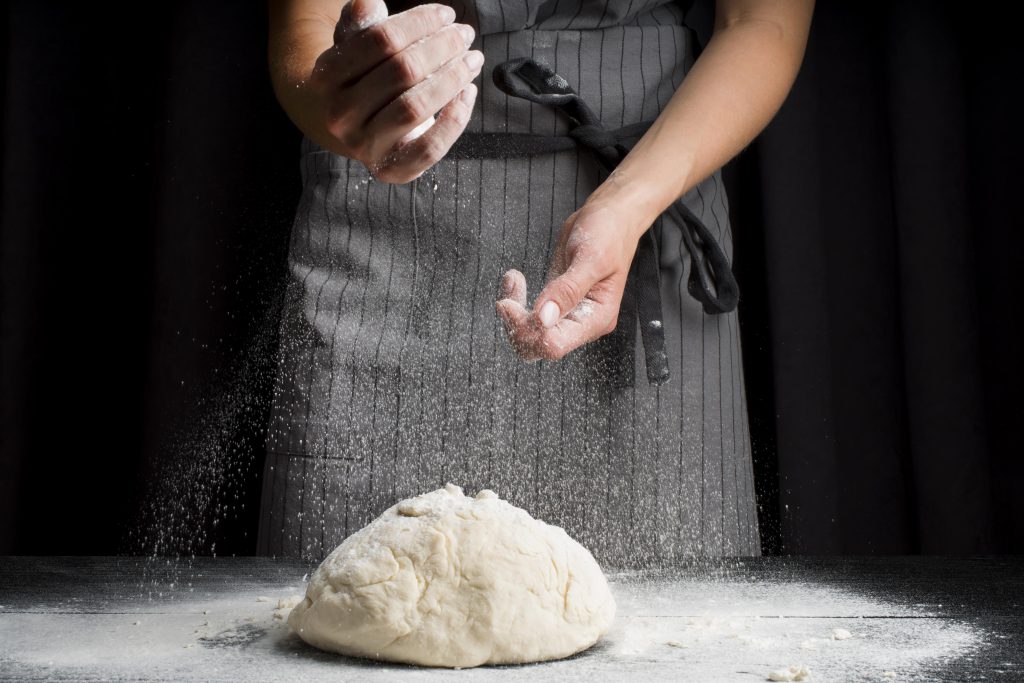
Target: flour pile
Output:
[{"x": 443, "y": 579}]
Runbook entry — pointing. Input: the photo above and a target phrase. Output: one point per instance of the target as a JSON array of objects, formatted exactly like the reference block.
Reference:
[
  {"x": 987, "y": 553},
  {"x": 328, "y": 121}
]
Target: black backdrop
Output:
[{"x": 148, "y": 183}]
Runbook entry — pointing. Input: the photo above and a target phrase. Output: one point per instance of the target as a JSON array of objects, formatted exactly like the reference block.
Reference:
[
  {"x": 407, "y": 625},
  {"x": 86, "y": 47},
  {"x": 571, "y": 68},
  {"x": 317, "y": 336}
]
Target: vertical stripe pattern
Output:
[{"x": 395, "y": 376}]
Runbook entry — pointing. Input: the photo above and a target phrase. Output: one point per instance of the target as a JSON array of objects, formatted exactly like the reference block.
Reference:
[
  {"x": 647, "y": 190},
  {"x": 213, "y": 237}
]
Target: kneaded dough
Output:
[{"x": 442, "y": 579}]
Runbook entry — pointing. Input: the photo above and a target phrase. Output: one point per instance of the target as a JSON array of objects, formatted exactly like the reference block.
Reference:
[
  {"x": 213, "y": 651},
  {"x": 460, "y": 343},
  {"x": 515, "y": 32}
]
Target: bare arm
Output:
[
  {"x": 367, "y": 85},
  {"x": 729, "y": 95}
]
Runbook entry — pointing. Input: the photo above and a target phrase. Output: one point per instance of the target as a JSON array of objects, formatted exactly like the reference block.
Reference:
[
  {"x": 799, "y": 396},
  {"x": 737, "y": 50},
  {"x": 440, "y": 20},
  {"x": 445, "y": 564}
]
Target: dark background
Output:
[{"x": 149, "y": 180}]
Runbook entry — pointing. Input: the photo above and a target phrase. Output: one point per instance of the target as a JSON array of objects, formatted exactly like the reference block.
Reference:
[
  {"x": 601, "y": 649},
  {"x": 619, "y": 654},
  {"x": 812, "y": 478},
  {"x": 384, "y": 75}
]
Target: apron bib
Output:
[{"x": 395, "y": 375}]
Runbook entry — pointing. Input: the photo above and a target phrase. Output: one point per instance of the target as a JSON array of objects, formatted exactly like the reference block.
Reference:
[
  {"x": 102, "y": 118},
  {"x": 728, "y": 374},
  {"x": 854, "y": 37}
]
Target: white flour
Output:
[{"x": 692, "y": 630}]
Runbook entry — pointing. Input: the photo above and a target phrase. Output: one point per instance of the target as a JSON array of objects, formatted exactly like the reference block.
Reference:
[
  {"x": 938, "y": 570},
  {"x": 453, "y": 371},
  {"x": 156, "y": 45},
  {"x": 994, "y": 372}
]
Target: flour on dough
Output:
[{"x": 443, "y": 579}]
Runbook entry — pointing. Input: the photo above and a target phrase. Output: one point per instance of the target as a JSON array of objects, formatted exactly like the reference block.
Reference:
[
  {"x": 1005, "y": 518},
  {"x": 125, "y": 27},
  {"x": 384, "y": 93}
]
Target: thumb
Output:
[
  {"x": 358, "y": 15},
  {"x": 565, "y": 292}
]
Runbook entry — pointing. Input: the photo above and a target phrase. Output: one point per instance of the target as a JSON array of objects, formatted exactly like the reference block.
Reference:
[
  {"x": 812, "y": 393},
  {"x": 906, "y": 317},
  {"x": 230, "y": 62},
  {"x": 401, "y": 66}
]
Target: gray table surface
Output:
[{"x": 121, "y": 618}]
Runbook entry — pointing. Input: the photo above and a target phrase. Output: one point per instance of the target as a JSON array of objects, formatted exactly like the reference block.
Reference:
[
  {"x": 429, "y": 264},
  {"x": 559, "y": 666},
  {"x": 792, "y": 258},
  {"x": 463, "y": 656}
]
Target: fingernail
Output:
[
  {"x": 447, "y": 14},
  {"x": 549, "y": 314},
  {"x": 467, "y": 96},
  {"x": 506, "y": 284},
  {"x": 474, "y": 59},
  {"x": 467, "y": 33}
]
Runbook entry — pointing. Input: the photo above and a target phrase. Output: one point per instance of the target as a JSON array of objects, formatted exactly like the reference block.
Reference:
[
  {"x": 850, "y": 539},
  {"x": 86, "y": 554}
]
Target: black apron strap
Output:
[{"x": 711, "y": 280}]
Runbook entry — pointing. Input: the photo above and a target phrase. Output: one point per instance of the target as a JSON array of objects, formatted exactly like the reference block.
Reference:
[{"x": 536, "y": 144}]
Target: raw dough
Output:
[
  {"x": 793, "y": 673},
  {"x": 447, "y": 580}
]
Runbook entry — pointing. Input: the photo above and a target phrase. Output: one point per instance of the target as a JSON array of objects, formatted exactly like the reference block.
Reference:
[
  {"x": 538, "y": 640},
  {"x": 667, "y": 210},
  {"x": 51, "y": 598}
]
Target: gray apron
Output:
[{"x": 395, "y": 374}]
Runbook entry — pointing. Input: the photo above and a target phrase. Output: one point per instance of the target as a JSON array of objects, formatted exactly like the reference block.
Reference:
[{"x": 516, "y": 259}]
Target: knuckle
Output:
[
  {"x": 337, "y": 110},
  {"x": 385, "y": 37},
  {"x": 411, "y": 108},
  {"x": 461, "y": 73},
  {"x": 568, "y": 292},
  {"x": 407, "y": 69},
  {"x": 351, "y": 137},
  {"x": 432, "y": 150},
  {"x": 454, "y": 42}
]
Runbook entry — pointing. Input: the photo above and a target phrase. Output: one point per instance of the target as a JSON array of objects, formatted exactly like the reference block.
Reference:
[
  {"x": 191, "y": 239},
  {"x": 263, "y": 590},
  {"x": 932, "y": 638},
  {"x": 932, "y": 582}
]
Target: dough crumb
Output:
[
  {"x": 794, "y": 673},
  {"x": 674, "y": 643},
  {"x": 841, "y": 634},
  {"x": 891, "y": 675},
  {"x": 289, "y": 602},
  {"x": 262, "y": 598}
]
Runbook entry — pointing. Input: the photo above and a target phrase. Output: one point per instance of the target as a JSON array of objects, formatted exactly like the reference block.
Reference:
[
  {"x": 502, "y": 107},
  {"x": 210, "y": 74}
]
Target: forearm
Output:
[
  {"x": 300, "y": 31},
  {"x": 732, "y": 91}
]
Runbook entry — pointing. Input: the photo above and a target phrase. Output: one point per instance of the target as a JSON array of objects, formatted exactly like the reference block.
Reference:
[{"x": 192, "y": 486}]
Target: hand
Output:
[
  {"x": 381, "y": 83},
  {"x": 587, "y": 275}
]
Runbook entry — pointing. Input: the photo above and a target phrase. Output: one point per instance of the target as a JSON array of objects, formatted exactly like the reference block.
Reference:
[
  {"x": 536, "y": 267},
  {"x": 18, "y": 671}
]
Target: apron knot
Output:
[
  {"x": 596, "y": 138},
  {"x": 711, "y": 280}
]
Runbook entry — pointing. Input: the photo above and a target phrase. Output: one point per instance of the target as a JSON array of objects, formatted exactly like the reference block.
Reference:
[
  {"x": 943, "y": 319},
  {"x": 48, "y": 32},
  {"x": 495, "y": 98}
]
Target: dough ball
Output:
[{"x": 442, "y": 579}]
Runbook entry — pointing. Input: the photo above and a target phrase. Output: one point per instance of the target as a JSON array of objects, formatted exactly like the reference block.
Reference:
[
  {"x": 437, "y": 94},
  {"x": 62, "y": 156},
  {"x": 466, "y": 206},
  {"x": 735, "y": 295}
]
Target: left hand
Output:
[{"x": 585, "y": 282}]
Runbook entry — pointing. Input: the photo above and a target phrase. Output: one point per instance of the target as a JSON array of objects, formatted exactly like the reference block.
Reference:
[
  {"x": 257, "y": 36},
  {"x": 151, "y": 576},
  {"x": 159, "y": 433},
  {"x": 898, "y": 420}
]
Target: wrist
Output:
[{"x": 639, "y": 197}]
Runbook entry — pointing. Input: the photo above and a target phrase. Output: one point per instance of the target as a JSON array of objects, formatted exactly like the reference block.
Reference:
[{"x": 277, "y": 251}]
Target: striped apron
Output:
[{"x": 395, "y": 375}]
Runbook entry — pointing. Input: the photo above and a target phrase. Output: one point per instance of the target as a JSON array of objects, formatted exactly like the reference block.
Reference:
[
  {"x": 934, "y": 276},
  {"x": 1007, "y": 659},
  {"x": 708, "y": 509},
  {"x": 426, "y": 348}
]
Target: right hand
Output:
[{"x": 384, "y": 79}]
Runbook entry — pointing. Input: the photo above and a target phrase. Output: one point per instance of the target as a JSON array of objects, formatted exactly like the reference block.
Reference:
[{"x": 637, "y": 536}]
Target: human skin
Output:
[
  {"x": 359, "y": 82},
  {"x": 729, "y": 95},
  {"x": 360, "y": 100}
]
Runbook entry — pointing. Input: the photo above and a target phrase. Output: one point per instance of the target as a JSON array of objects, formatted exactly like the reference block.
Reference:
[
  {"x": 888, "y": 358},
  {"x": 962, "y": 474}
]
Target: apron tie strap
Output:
[{"x": 711, "y": 280}]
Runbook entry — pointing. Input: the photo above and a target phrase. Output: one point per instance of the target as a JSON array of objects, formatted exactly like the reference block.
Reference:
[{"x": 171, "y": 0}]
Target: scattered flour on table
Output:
[
  {"x": 687, "y": 627},
  {"x": 726, "y": 627}
]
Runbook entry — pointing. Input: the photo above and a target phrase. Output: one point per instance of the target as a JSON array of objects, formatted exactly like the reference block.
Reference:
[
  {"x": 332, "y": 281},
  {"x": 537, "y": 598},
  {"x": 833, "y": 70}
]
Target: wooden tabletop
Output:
[{"x": 909, "y": 618}]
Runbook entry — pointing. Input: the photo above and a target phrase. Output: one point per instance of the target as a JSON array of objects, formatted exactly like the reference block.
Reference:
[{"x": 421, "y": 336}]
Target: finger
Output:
[
  {"x": 513, "y": 286},
  {"x": 359, "y": 15},
  {"x": 567, "y": 335},
  {"x": 523, "y": 335},
  {"x": 566, "y": 291},
  {"x": 366, "y": 48},
  {"x": 413, "y": 156},
  {"x": 415, "y": 105},
  {"x": 589, "y": 320},
  {"x": 408, "y": 68}
]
